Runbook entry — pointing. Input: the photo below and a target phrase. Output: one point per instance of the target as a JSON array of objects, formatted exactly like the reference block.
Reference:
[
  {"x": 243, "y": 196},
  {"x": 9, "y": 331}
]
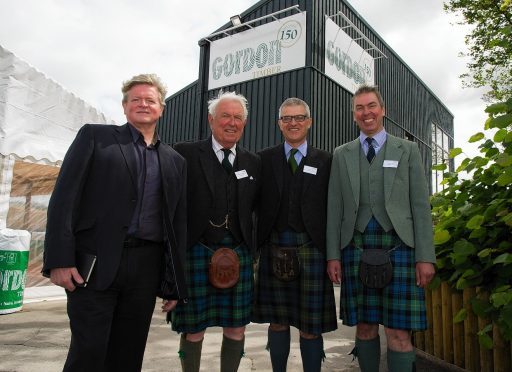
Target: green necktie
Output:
[
  {"x": 225, "y": 162},
  {"x": 291, "y": 160}
]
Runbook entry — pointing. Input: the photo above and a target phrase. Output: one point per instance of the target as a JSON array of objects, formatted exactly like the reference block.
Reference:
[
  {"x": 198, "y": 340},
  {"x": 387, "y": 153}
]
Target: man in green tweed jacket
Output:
[{"x": 378, "y": 199}]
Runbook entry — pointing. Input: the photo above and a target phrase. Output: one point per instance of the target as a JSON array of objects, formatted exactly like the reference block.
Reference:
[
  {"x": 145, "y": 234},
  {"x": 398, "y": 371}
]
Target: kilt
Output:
[
  {"x": 208, "y": 306},
  {"x": 401, "y": 304},
  {"x": 306, "y": 303}
]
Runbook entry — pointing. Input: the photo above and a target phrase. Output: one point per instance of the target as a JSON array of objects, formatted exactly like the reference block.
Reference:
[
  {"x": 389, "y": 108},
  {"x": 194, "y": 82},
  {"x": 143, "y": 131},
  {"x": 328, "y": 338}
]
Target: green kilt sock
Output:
[
  {"x": 367, "y": 353},
  {"x": 231, "y": 352},
  {"x": 279, "y": 347},
  {"x": 190, "y": 354},
  {"x": 401, "y": 361},
  {"x": 312, "y": 352}
]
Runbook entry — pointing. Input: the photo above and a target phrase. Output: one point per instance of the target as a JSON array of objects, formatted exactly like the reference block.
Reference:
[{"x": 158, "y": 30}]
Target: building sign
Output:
[
  {"x": 345, "y": 61},
  {"x": 266, "y": 50}
]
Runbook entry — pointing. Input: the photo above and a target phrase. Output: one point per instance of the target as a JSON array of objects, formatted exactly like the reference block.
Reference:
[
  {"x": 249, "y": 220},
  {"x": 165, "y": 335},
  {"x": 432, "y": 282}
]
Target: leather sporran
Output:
[
  {"x": 375, "y": 268},
  {"x": 285, "y": 263},
  {"x": 224, "y": 270}
]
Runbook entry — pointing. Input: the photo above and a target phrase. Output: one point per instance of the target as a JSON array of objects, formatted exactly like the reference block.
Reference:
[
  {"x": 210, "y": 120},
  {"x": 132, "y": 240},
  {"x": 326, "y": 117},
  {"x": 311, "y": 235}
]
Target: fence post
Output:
[
  {"x": 486, "y": 364},
  {"x": 447, "y": 322},
  {"x": 471, "y": 346},
  {"x": 437, "y": 308},
  {"x": 501, "y": 351},
  {"x": 458, "y": 330}
]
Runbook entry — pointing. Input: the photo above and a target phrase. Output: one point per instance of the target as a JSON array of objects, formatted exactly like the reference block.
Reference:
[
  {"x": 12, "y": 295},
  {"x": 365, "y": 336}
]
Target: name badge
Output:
[
  {"x": 390, "y": 164},
  {"x": 310, "y": 170},
  {"x": 241, "y": 174}
]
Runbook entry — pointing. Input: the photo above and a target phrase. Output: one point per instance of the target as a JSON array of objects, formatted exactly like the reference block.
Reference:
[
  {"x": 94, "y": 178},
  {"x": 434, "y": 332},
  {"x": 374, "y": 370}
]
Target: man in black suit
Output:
[
  {"x": 292, "y": 287},
  {"x": 121, "y": 196},
  {"x": 222, "y": 185}
]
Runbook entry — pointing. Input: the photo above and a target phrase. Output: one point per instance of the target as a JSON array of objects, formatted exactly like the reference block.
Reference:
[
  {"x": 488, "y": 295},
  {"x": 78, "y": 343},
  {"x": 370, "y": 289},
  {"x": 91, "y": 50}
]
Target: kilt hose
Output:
[
  {"x": 306, "y": 303},
  {"x": 399, "y": 305},
  {"x": 208, "y": 306}
]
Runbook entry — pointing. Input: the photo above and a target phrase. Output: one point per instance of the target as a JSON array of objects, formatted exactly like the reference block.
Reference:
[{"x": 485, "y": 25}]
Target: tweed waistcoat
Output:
[{"x": 371, "y": 199}]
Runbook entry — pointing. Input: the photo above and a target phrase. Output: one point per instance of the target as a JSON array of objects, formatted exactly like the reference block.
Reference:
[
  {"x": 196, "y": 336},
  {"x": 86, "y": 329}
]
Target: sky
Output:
[{"x": 90, "y": 46}]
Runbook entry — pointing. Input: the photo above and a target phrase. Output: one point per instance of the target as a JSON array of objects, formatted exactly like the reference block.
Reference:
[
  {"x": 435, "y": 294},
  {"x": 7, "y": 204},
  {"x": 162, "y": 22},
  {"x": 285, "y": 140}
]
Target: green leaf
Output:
[
  {"x": 502, "y": 288},
  {"x": 504, "y": 160},
  {"x": 501, "y": 121},
  {"x": 478, "y": 233},
  {"x": 476, "y": 137},
  {"x": 479, "y": 307},
  {"x": 484, "y": 253},
  {"x": 441, "y": 237},
  {"x": 508, "y": 219},
  {"x": 475, "y": 222},
  {"x": 463, "y": 165},
  {"x": 460, "y": 316},
  {"x": 463, "y": 247},
  {"x": 484, "y": 340},
  {"x": 435, "y": 283},
  {"x": 491, "y": 152},
  {"x": 500, "y": 135},
  {"x": 501, "y": 299},
  {"x": 454, "y": 152},
  {"x": 505, "y": 179},
  {"x": 496, "y": 108},
  {"x": 439, "y": 167},
  {"x": 505, "y": 258},
  {"x": 437, "y": 201}
]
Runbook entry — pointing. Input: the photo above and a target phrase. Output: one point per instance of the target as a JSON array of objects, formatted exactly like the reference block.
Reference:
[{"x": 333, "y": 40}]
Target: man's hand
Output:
[
  {"x": 424, "y": 273},
  {"x": 66, "y": 277},
  {"x": 334, "y": 271},
  {"x": 168, "y": 305}
]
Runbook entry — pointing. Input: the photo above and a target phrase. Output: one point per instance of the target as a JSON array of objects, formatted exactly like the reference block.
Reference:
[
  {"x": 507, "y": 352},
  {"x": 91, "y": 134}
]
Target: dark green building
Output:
[{"x": 412, "y": 110}]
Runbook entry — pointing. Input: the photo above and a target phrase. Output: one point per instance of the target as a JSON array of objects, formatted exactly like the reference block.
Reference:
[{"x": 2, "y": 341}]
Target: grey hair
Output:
[
  {"x": 149, "y": 79},
  {"x": 363, "y": 89},
  {"x": 229, "y": 96},
  {"x": 293, "y": 101}
]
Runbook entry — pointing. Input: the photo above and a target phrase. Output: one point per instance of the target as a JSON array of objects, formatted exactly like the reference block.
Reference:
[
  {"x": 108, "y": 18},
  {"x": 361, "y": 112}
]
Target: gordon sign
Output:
[
  {"x": 345, "y": 61},
  {"x": 266, "y": 50}
]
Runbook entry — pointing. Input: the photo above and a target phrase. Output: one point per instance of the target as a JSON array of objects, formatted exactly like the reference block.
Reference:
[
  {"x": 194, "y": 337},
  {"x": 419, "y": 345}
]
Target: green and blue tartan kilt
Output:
[
  {"x": 208, "y": 306},
  {"x": 401, "y": 304},
  {"x": 306, "y": 303}
]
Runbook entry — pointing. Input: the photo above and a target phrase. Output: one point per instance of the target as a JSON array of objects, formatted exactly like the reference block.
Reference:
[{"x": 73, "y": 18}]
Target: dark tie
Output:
[
  {"x": 291, "y": 160},
  {"x": 225, "y": 162},
  {"x": 371, "y": 150}
]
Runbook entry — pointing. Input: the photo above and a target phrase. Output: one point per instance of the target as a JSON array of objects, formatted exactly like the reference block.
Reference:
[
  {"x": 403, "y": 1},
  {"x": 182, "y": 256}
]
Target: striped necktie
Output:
[{"x": 371, "y": 150}]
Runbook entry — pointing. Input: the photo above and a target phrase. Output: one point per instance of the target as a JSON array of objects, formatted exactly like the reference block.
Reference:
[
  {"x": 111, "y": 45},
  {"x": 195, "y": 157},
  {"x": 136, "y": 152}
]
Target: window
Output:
[{"x": 440, "y": 149}]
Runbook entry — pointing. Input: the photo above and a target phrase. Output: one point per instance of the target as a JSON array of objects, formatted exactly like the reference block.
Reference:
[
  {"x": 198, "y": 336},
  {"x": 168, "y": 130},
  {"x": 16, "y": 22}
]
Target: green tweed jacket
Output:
[{"x": 406, "y": 197}]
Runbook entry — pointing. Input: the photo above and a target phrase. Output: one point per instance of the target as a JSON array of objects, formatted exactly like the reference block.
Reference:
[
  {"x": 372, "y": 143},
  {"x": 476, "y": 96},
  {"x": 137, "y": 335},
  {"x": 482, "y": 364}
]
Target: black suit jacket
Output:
[
  {"x": 201, "y": 191},
  {"x": 94, "y": 200},
  {"x": 313, "y": 198}
]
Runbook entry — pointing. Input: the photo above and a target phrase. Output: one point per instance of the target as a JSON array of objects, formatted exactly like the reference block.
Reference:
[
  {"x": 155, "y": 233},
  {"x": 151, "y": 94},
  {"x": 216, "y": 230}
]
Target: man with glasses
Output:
[{"x": 292, "y": 286}]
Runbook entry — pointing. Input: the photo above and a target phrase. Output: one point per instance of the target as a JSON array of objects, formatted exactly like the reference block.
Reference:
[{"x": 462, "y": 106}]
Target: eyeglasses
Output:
[{"x": 297, "y": 118}]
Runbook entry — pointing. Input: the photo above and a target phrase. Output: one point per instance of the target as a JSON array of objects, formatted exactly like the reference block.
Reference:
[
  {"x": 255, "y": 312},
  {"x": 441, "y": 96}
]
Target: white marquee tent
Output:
[{"x": 38, "y": 121}]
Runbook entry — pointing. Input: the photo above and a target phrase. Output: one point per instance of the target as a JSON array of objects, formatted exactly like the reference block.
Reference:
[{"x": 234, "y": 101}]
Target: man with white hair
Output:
[{"x": 222, "y": 185}]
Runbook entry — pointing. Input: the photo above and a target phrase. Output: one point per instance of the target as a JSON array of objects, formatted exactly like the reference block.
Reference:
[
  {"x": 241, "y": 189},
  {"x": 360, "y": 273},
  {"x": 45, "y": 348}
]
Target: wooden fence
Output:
[{"x": 457, "y": 343}]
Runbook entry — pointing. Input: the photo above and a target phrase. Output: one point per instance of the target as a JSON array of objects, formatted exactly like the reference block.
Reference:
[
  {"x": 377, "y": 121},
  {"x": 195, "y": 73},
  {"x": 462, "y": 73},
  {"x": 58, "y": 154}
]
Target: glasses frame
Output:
[{"x": 298, "y": 118}]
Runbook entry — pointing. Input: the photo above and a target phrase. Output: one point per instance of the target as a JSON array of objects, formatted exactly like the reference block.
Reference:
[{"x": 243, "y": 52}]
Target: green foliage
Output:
[
  {"x": 489, "y": 44},
  {"x": 473, "y": 224}
]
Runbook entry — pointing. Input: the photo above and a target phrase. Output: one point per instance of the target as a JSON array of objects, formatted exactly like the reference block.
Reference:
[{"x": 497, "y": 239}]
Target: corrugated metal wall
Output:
[{"x": 411, "y": 107}]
